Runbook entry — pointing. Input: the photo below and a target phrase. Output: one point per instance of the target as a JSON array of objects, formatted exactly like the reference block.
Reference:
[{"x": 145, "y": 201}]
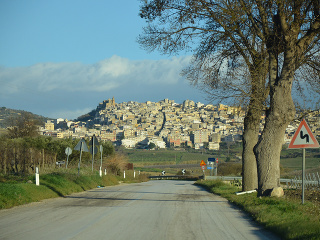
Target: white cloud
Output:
[
  {"x": 54, "y": 87},
  {"x": 103, "y": 76}
]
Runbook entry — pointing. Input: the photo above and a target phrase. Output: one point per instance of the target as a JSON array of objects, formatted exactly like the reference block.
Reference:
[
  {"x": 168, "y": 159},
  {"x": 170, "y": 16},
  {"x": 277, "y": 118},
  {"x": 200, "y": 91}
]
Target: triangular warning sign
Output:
[
  {"x": 303, "y": 137},
  {"x": 202, "y": 163}
]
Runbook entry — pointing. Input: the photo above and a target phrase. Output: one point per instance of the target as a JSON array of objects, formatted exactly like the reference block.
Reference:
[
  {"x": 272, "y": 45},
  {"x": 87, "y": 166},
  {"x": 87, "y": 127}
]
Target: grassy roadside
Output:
[
  {"x": 286, "y": 217},
  {"x": 17, "y": 191}
]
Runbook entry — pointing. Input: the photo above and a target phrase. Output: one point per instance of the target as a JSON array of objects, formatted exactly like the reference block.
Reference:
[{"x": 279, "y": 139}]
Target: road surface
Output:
[{"x": 154, "y": 210}]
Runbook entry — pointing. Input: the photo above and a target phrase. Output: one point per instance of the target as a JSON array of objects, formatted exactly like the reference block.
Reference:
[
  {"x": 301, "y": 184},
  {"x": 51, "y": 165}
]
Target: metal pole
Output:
[
  {"x": 101, "y": 155},
  {"x": 92, "y": 152},
  {"x": 80, "y": 158},
  {"x": 67, "y": 160},
  {"x": 303, "y": 171}
]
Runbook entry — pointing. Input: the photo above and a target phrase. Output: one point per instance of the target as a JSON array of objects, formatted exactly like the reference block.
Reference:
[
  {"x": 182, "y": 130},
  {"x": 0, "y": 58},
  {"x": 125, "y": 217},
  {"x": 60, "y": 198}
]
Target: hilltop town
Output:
[{"x": 163, "y": 124}]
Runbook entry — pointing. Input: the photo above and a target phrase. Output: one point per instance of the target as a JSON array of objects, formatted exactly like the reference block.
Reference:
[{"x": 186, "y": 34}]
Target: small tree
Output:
[
  {"x": 151, "y": 145},
  {"x": 24, "y": 125}
]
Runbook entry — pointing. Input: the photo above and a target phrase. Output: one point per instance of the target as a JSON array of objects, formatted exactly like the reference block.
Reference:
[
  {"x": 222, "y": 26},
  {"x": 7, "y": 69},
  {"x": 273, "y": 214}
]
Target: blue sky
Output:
[{"x": 61, "y": 58}]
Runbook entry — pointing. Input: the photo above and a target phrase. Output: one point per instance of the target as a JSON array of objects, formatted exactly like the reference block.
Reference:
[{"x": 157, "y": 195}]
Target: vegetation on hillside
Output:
[{"x": 7, "y": 115}]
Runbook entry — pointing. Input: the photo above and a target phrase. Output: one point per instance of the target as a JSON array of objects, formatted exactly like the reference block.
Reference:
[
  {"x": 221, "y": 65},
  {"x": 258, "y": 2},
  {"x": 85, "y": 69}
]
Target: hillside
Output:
[{"x": 7, "y": 113}]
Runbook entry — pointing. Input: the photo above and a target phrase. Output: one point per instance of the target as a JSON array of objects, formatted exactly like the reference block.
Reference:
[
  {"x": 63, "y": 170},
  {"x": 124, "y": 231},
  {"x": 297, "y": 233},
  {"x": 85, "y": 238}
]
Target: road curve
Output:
[{"x": 151, "y": 210}]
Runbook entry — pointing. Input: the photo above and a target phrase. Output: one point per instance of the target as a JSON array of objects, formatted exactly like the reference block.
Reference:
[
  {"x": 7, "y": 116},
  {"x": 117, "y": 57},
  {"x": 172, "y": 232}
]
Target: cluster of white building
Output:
[{"x": 164, "y": 123}]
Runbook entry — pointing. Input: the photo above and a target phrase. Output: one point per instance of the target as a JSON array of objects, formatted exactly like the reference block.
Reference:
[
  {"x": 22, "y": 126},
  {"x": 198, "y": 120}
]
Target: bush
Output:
[
  {"x": 116, "y": 164},
  {"x": 230, "y": 169}
]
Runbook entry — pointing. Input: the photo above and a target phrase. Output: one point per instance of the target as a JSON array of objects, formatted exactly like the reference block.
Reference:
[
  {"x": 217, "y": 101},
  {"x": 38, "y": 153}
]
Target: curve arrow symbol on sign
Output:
[{"x": 304, "y": 136}]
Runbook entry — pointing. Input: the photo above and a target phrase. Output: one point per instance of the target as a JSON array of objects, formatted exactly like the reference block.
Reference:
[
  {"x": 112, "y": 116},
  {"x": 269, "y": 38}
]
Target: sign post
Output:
[
  {"x": 203, "y": 166},
  {"x": 303, "y": 138},
  {"x": 68, "y": 152},
  {"x": 212, "y": 162},
  {"x": 81, "y": 146},
  {"x": 93, "y": 147},
  {"x": 216, "y": 168},
  {"x": 101, "y": 150}
]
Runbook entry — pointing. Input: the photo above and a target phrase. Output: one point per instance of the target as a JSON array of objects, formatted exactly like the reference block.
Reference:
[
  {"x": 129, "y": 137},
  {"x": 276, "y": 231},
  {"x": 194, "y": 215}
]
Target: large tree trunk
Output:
[
  {"x": 268, "y": 149},
  {"x": 258, "y": 73},
  {"x": 250, "y": 139}
]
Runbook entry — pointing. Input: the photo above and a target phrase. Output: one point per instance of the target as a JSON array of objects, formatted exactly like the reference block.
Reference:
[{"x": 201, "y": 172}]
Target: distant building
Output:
[
  {"x": 200, "y": 136},
  {"x": 49, "y": 125},
  {"x": 214, "y": 146},
  {"x": 107, "y": 103}
]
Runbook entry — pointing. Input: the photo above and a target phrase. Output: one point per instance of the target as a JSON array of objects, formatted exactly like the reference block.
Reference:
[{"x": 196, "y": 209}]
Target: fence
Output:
[{"x": 312, "y": 182}]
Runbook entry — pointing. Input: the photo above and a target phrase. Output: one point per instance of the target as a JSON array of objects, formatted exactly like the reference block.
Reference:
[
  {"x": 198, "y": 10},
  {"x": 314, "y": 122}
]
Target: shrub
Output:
[
  {"x": 230, "y": 169},
  {"x": 116, "y": 164}
]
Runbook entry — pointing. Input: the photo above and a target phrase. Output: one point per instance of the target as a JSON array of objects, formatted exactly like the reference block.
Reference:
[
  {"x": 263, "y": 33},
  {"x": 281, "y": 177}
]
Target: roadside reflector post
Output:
[
  {"x": 105, "y": 171},
  {"x": 100, "y": 172},
  {"x": 134, "y": 174},
  {"x": 124, "y": 174},
  {"x": 37, "y": 177}
]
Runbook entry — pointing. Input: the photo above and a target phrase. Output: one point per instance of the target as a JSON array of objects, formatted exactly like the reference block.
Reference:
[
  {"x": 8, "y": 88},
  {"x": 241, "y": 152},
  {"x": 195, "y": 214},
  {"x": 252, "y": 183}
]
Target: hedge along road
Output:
[{"x": 150, "y": 210}]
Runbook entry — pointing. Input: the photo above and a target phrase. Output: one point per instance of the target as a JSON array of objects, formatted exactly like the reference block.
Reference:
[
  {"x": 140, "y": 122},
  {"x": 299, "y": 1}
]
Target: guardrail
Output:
[
  {"x": 176, "y": 177},
  {"x": 290, "y": 183}
]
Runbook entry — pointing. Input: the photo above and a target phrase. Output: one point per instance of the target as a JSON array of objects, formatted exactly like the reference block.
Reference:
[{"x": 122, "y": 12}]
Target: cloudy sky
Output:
[{"x": 62, "y": 58}]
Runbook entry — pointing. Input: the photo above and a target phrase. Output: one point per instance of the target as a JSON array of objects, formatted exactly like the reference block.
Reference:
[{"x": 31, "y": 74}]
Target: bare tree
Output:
[
  {"x": 271, "y": 39},
  {"x": 290, "y": 30},
  {"x": 229, "y": 58}
]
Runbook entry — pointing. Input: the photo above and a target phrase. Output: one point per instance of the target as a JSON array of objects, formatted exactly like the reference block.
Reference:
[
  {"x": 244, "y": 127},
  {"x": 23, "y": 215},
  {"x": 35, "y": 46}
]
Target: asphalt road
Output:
[{"x": 151, "y": 210}]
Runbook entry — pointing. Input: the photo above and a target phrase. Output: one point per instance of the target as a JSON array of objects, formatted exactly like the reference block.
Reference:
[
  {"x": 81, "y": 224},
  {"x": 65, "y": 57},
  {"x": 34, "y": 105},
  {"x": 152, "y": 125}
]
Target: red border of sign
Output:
[{"x": 315, "y": 145}]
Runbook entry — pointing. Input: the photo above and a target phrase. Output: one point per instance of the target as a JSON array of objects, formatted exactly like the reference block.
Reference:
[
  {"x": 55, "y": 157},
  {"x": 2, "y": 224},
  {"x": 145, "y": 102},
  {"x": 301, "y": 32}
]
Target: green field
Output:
[
  {"x": 161, "y": 157},
  {"x": 291, "y": 159}
]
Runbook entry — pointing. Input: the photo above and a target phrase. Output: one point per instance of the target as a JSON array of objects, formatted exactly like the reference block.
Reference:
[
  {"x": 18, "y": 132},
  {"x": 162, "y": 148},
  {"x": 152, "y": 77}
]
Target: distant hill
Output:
[
  {"x": 88, "y": 116},
  {"x": 7, "y": 113}
]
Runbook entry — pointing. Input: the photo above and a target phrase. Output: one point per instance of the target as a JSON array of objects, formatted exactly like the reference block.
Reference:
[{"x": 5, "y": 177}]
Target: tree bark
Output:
[
  {"x": 250, "y": 139},
  {"x": 258, "y": 73},
  {"x": 269, "y": 146}
]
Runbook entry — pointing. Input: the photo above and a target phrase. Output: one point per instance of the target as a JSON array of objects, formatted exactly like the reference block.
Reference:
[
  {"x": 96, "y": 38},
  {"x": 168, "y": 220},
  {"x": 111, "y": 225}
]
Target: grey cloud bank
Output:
[{"x": 68, "y": 90}]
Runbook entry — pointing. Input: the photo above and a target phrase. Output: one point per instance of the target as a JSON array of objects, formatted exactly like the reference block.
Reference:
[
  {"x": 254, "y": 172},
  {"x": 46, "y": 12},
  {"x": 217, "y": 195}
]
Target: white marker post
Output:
[
  {"x": 100, "y": 172},
  {"x": 134, "y": 174},
  {"x": 124, "y": 174},
  {"x": 101, "y": 150},
  {"x": 37, "y": 177},
  {"x": 303, "y": 138}
]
